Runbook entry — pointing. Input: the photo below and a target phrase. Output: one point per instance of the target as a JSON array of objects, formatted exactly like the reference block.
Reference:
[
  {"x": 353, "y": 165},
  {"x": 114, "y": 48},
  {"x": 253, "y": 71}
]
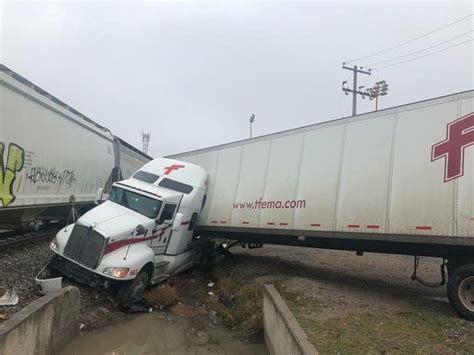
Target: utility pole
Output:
[
  {"x": 145, "y": 141},
  {"x": 354, "y": 90},
  {"x": 252, "y": 118}
]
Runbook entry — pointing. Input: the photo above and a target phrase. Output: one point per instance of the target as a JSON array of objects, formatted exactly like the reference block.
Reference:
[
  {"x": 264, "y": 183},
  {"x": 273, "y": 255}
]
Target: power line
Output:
[
  {"x": 425, "y": 55},
  {"x": 411, "y": 40},
  {"x": 421, "y": 50}
]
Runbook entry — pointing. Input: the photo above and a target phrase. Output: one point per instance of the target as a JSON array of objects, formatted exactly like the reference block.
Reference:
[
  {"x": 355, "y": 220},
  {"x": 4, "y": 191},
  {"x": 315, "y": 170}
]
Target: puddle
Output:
[{"x": 159, "y": 333}]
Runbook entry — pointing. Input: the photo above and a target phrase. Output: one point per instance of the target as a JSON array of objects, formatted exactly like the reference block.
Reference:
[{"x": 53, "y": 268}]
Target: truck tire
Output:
[
  {"x": 131, "y": 292},
  {"x": 460, "y": 291}
]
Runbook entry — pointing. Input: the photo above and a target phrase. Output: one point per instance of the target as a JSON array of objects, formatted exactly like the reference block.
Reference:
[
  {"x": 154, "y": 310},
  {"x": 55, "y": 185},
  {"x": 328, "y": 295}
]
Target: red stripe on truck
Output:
[
  {"x": 315, "y": 224},
  {"x": 213, "y": 221},
  {"x": 271, "y": 223},
  {"x": 283, "y": 224},
  {"x": 373, "y": 226},
  {"x": 125, "y": 242},
  {"x": 353, "y": 226},
  {"x": 423, "y": 228},
  {"x": 223, "y": 222},
  {"x": 245, "y": 222}
]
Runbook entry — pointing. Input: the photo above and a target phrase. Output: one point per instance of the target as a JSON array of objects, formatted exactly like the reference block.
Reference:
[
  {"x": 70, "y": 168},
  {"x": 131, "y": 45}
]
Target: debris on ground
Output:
[
  {"x": 10, "y": 298},
  {"x": 3, "y": 317},
  {"x": 187, "y": 311}
]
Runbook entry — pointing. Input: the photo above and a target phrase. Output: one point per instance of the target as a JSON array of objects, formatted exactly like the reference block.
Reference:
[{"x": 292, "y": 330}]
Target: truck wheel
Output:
[
  {"x": 461, "y": 291},
  {"x": 132, "y": 291}
]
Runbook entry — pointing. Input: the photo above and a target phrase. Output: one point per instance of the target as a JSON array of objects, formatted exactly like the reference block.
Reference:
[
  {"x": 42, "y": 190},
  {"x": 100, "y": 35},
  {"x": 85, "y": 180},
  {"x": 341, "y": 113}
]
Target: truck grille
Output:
[{"x": 85, "y": 246}]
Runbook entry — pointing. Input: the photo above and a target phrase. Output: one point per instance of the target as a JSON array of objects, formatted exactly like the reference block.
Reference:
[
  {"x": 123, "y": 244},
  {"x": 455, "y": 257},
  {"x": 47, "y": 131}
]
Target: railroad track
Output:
[{"x": 14, "y": 238}]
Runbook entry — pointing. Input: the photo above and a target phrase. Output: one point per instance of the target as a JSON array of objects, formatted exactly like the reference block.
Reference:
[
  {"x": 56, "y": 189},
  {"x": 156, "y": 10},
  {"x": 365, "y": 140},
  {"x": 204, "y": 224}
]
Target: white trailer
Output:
[
  {"x": 50, "y": 152},
  {"x": 398, "y": 180}
]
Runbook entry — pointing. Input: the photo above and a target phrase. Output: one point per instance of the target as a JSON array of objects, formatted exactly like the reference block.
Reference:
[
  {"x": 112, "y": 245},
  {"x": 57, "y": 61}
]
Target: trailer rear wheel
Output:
[
  {"x": 461, "y": 291},
  {"x": 131, "y": 292}
]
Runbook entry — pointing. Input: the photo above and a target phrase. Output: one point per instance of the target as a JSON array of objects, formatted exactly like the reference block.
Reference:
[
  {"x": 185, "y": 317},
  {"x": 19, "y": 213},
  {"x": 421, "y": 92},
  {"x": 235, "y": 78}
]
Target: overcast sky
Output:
[{"x": 192, "y": 72}]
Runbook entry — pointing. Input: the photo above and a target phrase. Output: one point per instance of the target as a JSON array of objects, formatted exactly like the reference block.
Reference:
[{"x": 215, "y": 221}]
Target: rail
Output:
[{"x": 12, "y": 238}]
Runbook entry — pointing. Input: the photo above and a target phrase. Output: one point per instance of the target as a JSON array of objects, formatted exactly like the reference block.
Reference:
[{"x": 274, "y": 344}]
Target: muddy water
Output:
[{"x": 160, "y": 333}]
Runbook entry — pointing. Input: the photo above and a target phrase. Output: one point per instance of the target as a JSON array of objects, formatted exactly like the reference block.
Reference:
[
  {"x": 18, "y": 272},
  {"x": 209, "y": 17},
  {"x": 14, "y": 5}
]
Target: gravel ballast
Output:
[{"x": 18, "y": 268}]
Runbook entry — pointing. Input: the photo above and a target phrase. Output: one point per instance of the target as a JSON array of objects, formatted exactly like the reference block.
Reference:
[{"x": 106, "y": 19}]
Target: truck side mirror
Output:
[
  {"x": 98, "y": 196},
  {"x": 140, "y": 229},
  {"x": 178, "y": 219}
]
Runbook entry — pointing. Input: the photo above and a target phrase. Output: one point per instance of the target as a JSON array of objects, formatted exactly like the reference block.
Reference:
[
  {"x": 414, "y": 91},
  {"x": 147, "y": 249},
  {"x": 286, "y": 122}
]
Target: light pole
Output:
[
  {"x": 380, "y": 89},
  {"x": 252, "y": 118},
  {"x": 145, "y": 141}
]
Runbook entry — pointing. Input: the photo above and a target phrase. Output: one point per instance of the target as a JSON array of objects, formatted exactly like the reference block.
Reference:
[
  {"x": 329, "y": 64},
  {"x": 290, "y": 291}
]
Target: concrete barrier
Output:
[
  {"x": 283, "y": 334},
  {"x": 43, "y": 326}
]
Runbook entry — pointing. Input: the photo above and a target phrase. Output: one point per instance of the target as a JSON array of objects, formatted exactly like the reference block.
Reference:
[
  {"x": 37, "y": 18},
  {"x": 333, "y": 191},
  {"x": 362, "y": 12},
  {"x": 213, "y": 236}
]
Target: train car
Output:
[
  {"x": 51, "y": 155},
  {"x": 130, "y": 158}
]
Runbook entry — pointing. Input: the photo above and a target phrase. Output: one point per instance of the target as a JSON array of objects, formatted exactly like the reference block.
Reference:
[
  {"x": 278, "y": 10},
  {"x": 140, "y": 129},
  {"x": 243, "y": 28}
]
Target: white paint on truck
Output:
[
  {"x": 145, "y": 228},
  {"x": 374, "y": 174}
]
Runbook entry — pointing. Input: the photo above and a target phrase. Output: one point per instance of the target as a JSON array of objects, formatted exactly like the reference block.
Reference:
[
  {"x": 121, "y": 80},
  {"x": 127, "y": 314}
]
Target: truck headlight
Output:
[
  {"x": 118, "y": 272},
  {"x": 54, "y": 244}
]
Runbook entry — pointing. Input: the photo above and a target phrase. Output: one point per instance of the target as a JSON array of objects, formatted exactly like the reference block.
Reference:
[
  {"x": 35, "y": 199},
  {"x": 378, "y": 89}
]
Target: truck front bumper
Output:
[{"x": 77, "y": 272}]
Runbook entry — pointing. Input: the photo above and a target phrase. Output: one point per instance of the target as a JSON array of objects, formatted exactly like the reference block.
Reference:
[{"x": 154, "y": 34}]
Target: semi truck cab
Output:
[{"x": 141, "y": 235}]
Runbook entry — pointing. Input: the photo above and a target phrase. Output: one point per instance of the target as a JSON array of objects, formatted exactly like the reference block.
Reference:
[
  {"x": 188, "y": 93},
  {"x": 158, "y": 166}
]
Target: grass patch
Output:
[
  {"x": 162, "y": 296},
  {"x": 238, "y": 298},
  {"x": 417, "y": 331}
]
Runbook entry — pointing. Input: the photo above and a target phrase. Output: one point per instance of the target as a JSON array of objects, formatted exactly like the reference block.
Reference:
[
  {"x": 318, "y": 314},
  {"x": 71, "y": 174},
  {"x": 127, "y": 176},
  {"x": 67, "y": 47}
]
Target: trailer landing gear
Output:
[{"x": 461, "y": 290}]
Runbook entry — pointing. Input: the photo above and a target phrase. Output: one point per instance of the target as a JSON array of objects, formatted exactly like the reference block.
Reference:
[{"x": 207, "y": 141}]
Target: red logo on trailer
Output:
[
  {"x": 459, "y": 136},
  {"x": 170, "y": 168}
]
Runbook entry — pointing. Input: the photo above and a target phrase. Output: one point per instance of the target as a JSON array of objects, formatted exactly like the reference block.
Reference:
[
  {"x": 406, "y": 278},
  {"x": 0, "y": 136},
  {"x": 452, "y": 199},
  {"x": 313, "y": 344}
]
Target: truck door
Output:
[{"x": 162, "y": 230}]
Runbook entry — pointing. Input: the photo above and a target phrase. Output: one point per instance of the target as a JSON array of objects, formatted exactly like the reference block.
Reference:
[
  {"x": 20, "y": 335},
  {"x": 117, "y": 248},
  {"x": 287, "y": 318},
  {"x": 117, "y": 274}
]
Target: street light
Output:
[
  {"x": 252, "y": 118},
  {"x": 380, "y": 89}
]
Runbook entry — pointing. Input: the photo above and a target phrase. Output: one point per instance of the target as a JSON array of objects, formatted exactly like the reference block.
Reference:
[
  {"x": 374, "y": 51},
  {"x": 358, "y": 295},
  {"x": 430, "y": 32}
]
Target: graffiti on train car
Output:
[
  {"x": 14, "y": 163},
  {"x": 44, "y": 175}
]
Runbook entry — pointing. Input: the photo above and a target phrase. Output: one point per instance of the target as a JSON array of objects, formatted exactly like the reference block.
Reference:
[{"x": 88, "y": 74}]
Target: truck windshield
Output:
[{"x": 146, "y": 206}]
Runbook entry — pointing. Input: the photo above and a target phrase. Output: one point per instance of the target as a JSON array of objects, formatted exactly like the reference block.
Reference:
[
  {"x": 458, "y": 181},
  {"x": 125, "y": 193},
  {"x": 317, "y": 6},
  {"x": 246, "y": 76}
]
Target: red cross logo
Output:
[
  {"x": 459, "y": 136},
  {"x": 169, "y": 169}
]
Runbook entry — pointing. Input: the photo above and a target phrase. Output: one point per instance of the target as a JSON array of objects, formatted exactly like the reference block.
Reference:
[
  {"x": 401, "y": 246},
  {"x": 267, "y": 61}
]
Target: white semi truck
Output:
[
  {"x": 141, "y": 235},
  {"x": 398, "y": 181}
]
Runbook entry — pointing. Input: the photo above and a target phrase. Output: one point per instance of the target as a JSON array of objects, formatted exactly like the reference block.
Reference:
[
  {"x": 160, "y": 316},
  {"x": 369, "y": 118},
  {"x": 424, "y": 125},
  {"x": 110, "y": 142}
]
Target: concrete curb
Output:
[
  {"x": 283, "y": 334},
  {"x": 42, "y": 327}
]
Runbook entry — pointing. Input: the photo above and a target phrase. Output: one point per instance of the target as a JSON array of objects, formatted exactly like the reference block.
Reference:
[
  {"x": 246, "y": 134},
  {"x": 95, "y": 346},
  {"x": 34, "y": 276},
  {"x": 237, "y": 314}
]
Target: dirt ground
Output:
[
  {"x": 360, "y": 304},
  {"x": 345, "y": 303}
]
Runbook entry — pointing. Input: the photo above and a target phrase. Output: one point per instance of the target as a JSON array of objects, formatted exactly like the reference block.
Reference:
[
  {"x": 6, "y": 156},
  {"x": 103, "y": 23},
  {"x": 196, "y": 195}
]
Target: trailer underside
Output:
[{"x": 433, "y": 246}]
